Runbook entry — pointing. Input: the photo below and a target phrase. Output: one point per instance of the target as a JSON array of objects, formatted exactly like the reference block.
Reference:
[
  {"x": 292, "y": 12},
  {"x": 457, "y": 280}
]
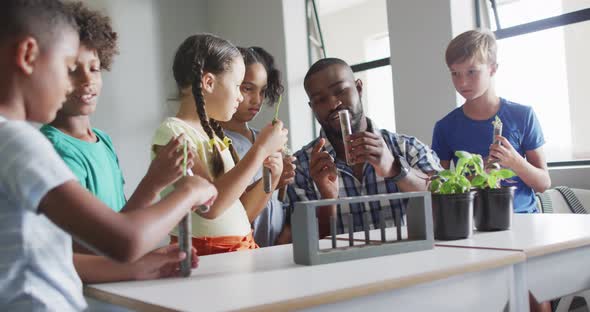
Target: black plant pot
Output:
[
  {"x": 493, "y": 209},
  {"x": 453, "y": 215}
]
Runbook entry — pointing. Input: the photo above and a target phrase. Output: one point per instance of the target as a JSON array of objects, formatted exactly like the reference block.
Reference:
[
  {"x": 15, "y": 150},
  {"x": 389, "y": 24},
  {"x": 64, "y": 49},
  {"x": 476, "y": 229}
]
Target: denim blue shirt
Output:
[{"x": 269, "y": 223}]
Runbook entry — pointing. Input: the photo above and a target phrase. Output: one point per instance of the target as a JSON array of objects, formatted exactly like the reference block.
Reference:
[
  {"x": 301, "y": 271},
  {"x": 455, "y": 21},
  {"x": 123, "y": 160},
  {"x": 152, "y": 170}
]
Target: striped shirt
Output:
[
  {"x": 417, "y": 154},
  {"x": 36, "y": 268}
]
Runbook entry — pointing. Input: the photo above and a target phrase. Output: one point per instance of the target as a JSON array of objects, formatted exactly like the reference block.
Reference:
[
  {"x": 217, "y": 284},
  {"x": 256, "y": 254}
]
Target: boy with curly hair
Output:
[{"x": 90, "y": 154}]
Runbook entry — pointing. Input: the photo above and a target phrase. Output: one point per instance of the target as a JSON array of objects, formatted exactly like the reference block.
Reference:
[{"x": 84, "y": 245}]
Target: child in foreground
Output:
[{"x": 41, "y": 202}]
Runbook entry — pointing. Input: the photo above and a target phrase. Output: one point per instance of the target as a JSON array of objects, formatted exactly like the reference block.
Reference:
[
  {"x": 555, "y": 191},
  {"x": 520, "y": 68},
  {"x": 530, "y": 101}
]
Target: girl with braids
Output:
[
  {"x": 262, "y": 83},
  {"x": 209, "y": 71}
]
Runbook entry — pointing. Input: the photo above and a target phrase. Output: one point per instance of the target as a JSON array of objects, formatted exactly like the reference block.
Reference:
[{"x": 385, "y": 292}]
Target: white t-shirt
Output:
[
  {"x": 233, "y": 221},
  {"x": 36, "y": 267}
]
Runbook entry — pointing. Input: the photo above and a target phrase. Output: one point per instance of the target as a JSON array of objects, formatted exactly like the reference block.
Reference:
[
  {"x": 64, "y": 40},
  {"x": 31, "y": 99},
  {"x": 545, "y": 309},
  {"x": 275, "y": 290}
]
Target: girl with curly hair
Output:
[{"x": 262, "y": 84}]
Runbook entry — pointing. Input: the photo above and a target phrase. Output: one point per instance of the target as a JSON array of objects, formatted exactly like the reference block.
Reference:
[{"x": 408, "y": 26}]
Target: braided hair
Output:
[
  {"x": 197, "y": 55},
  {"x": 258, "y": 55}
]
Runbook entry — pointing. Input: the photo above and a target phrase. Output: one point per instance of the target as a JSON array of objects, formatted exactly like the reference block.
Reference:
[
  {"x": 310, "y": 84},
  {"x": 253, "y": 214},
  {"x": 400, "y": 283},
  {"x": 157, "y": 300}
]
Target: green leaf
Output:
[
  {"x": 460, "y": 167},
  {"x": 478, "y": 164},
  {"x": 492, "y": 181},
  {"x": 463, "y": 154},
  {"x": 464, "y": 182},
  {"x": 446, "y": 174},
  {"x": 479, "y": 180},
  {"x": 505, "y": 173},
  {"x": 276, "y": 117},
  {"x": 497, "y": 122},
  {"x": 435, "y": 185},
  {"x": 458, "y": 189},
  {"x": 447, "y": 188}
]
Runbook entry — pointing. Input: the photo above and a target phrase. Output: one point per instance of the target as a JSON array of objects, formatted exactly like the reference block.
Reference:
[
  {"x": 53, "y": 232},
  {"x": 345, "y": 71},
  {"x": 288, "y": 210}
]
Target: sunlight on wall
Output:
[{"x": 533, "y": 71}]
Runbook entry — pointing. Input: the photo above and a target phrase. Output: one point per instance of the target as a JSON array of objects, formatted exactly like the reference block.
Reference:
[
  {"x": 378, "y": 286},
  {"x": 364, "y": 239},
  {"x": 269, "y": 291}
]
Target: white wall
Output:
[
  {"x": 178, "y": 20},
  {"x": 356, "y": 42},
  {"x": 344, "y": 38},
  {"x": 300, "y": 117},
  {"x": 577, "y": 177},
  {"x": 135, "y": 92},
  {"x": 577, "y": 51},
  {"x": 578, "y": 65},
  {"x": 133, "y": 101},
  {"x": 140, "y": 90},
  {"x": 419, "y": 32}
]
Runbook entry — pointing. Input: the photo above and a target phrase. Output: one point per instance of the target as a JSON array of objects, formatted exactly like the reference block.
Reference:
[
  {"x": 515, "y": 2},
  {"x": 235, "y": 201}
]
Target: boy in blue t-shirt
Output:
[{"x": 471, "y": 58}]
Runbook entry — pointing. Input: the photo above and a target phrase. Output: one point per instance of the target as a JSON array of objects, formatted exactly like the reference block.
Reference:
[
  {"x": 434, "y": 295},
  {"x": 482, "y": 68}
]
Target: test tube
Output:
[
  {"x": 346, "y": 130},
  {"x": 382, "y": 225},
  {"x": 350, "y": 230},
  {"x": 366, "y": 218},
  {"x": 398, "y": 223},
  {"x": 497, "y": 131},
  {"x": 185, "y": 243},
  {"x": 282, "y": 193},
  {"x": 184, "y": 227},
  {"x": 267, "y": 180},
  {"x": 497, "y": 123},
  {"x": 333, "y": 231},
  {"x": 283, "y": 190},
  {"x": 266, "y": 174},
  {"x": 189, "y": 172}
]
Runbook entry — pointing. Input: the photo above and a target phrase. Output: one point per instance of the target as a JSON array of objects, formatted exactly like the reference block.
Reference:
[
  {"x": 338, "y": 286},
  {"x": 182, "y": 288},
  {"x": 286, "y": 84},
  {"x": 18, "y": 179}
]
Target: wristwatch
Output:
[{"x": 404, "y": 169}]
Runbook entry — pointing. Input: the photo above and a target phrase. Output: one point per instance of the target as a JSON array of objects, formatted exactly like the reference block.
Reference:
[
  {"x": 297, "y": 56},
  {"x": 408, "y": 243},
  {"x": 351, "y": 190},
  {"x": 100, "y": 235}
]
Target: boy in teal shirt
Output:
[
  {"x": 90, "y": 154},
  {"x": 95, "y": 164},
  {"x": 88, "y": 151}
]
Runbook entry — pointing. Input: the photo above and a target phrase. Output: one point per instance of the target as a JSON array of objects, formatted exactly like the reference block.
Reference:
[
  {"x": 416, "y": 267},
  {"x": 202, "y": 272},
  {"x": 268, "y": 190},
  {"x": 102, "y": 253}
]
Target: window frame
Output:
[
  {"x": 565, "y": 19},
  {"x": 360, "y": 67}
]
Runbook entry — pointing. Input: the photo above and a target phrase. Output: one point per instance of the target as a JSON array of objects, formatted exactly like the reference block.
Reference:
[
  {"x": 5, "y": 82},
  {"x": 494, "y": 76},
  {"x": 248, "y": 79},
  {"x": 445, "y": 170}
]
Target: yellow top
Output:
[{"x": 234, "y": 221}]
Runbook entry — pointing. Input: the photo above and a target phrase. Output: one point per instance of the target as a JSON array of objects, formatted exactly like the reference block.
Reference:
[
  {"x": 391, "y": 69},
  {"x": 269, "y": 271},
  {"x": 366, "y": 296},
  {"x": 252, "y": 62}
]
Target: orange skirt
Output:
[{"x": 214, "y": 245}]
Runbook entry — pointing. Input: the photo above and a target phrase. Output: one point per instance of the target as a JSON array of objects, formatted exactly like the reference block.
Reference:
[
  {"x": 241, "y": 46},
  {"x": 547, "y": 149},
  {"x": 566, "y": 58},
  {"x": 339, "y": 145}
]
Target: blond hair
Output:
[{"x": 473, "y": 44}]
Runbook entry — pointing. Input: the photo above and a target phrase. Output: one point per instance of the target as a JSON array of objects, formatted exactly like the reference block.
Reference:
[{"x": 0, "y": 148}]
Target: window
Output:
[
  {"x": 516, "y": 12},
  {"x": 542, "y": 56},
  {"x": 357, "y": 32},
  {"x": 378, "y": 83}
]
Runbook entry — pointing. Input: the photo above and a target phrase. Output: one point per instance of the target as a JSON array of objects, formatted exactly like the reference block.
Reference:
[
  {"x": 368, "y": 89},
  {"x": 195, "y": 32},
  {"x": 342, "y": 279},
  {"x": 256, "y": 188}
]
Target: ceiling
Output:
[{"x": 326, "y": 7}]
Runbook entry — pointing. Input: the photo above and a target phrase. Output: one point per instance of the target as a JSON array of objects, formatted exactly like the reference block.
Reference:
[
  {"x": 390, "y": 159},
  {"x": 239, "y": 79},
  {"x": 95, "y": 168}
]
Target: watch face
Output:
[{"x": 404, "y": 166}]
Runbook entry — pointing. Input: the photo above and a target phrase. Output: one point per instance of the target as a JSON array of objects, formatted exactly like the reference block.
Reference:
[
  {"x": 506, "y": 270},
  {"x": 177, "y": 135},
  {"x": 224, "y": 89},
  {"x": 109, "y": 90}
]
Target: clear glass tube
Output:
[{"x": 346, "y": 130}]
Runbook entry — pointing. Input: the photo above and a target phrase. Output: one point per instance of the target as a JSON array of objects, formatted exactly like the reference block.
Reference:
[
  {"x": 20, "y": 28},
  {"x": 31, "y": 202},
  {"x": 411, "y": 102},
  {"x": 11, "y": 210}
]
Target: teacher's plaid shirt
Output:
[{"x": 418, "y": 155}]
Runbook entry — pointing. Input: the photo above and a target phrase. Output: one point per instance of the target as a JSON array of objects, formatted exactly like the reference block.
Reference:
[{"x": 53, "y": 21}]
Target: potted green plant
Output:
[
  {"x": 453, "y": 198},
  {"x": 494, "y": 203}
]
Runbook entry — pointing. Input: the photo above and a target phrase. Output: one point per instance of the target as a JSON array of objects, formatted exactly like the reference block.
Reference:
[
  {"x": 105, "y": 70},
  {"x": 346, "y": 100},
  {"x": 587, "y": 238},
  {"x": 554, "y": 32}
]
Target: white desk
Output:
[
  {"x": 557, "y": 248},
  {"x": 442, "y": 279}
]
